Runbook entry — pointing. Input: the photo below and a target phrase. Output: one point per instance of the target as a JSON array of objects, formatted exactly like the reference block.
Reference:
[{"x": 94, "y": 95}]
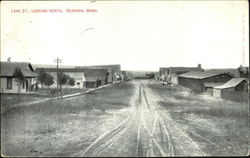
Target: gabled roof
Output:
[
  {"x": 7, "y": 69},
  {"x": 231, "y": 83},
  {"x": 201, "y": 75},
  {"x": 184, "y": 69}
]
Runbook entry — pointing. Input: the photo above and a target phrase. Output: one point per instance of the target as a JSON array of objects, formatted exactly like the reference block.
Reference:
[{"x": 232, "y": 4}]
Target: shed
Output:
[{"x": 233, "y": 85}]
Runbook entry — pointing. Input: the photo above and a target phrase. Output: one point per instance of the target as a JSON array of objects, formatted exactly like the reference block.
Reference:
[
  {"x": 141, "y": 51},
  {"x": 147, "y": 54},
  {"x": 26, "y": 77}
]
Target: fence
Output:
[{"x": 235, "y": 96}]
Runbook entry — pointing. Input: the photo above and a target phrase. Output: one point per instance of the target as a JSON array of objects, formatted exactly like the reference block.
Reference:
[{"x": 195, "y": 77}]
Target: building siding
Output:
[
  {"x": 243, "y": 86},
  {"x": 14, "y": 88}
]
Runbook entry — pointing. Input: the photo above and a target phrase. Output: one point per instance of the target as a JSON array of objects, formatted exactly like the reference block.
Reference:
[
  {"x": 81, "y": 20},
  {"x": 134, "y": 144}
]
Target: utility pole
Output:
[{"x": 57, "y": 60}]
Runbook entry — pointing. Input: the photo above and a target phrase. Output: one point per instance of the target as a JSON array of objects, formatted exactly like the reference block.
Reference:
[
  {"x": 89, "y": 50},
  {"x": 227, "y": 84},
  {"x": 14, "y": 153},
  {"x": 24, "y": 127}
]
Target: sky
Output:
[{"x": 137, "y": 35}]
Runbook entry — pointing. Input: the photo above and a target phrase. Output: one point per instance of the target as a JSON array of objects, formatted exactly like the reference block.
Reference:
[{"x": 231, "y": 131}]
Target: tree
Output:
[
  {"x": 19, "y": 77},
  {"x": 71, "y": 81},
  {"x": 49, "y": 79},
  {"x": 62, "y": 80},
  {"x": 42, "y": 76}
]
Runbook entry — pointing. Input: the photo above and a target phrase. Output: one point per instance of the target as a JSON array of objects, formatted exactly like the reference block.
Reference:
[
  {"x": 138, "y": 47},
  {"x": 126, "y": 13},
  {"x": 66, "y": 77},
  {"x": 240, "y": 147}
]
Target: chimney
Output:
[{"x": 199, "y": 66}]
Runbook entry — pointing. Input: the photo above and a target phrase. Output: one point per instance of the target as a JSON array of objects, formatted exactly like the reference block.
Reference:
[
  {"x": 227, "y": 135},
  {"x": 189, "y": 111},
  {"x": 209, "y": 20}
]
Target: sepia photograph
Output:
[{"x": 124, "y": 78}]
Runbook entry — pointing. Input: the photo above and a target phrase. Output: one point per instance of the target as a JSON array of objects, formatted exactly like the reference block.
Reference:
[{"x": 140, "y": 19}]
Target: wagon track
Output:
[
  {"x": 166, "y": 136},
  {"x": 172, "y": 123},
  {"x": 152, "y": 137},
  {"x": 109, "y": 136}
]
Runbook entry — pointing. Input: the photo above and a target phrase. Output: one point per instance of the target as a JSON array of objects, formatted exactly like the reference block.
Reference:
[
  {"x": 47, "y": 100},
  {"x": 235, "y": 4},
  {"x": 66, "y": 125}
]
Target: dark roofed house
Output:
[
  {"x": 200, "y": 81},
  {"x": 8, "y": 82}
]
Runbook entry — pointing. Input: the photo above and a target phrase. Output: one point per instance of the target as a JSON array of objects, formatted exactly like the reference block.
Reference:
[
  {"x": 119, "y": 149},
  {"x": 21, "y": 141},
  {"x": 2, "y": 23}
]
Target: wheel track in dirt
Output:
[
  {"x": 164, "y": 131},
  {"x": 194, "y": 133},
  {"x": 112, "y": 135},
  {"x": 180, "y": 129}
]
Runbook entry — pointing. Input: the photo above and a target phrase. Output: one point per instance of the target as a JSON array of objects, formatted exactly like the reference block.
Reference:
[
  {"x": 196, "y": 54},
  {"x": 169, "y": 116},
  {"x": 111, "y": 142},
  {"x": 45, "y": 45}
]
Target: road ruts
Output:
[
  {"x": 184, "y": 143},
  {"x": 144, "y": 133}
]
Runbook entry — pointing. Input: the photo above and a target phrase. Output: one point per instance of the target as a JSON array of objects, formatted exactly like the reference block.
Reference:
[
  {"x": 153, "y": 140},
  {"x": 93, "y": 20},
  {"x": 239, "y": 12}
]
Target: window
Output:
[{"x": 9, "y": 83}]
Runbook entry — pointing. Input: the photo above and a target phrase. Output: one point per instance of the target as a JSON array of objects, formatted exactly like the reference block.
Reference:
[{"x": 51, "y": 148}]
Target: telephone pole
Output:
[{"x": 57, "y": 60}]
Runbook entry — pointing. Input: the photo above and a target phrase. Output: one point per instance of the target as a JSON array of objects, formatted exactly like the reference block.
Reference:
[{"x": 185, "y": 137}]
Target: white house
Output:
[{"x": 9, "y": 84}]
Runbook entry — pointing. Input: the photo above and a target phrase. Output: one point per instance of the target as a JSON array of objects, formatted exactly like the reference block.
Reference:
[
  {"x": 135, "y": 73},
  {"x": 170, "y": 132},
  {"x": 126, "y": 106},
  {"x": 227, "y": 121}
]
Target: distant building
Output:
[
  {"x": 197, "y": 81},
  {"x": 84, "y": 78},
  {"x": 95, "y": 77},
  {"x": 171, "y": 74},
  {"x": 113, "y": 70},
  {"x": 9, "y": 83},
  {"x": 244, "y": 71}
]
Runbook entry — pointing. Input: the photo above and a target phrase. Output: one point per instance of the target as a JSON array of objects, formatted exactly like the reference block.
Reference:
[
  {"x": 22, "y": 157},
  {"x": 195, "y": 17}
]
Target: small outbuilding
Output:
[{"x": 233, "y": 85}]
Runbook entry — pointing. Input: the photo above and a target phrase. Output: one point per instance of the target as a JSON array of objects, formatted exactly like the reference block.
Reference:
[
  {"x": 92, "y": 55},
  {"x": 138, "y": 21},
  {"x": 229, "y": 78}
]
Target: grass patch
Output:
[{"x": 223, "y": 122}]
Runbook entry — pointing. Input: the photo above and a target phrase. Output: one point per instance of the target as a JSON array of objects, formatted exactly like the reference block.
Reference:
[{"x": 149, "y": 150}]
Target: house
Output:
[
  {"x": 84, "y": 78},
  {"x": 78, "y": 75},
  {"x": 235, "y": 89},
  {"x": 113, "y": 70},
  {"x": 9, "y": 84},
  {"x": 197, "y": 81},
  {"x": 171, "y": 74}
]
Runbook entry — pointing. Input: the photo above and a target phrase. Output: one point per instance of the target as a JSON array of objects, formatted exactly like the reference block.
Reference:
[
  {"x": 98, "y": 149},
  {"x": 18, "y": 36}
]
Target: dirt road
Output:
[
  {"x": 144, "y": 132},
  {"x": 139, "y": 118}
]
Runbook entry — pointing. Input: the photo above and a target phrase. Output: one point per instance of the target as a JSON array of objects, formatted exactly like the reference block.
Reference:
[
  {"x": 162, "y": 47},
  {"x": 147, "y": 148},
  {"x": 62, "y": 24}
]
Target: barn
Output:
[
  {"x": 8, "y": 82},
  {"x": 197, "y": 80},
  {"x": 233, "y": 85}
]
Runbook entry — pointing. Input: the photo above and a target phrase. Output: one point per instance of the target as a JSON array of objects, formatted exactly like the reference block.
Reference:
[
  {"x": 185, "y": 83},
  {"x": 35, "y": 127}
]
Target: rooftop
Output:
[
  {"x": 201, "y": 75},
  {"x": 7, "y": 69},
  {"x": 231, "y": 83}
]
